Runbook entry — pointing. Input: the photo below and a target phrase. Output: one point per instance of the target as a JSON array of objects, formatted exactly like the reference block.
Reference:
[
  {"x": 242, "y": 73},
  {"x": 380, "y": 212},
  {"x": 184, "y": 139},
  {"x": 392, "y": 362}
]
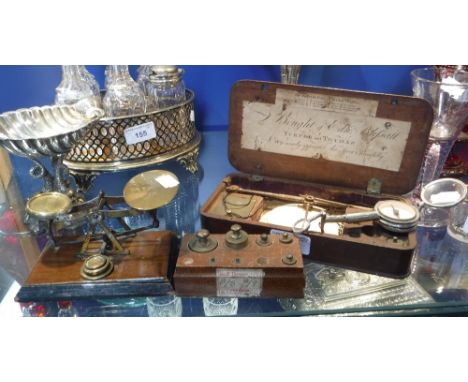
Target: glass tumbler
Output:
[
  {"x": 220, "y": 306},
  {"x": 141, "y": 220},
  {"x": 449, "y": 99},
  {"x": 164, "y": 306},
  {"x": 181, "y": 214},
  {"x": 458, "y": 223}
]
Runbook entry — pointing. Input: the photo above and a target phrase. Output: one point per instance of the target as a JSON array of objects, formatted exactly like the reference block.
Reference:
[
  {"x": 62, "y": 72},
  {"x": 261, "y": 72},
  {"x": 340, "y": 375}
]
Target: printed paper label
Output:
[
  {"x": 139, "y": 133},
  {"x": 322, "y": 102},
  {"x": 192, "y": 115},
  {"x": 339, "y": 129},
  {"x": 304, "y": 241},
  {"x": 239, "y": 282}
]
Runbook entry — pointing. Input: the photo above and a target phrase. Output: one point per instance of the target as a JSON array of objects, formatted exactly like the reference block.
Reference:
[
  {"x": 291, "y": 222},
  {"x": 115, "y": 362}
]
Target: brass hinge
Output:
[
  {"x": 256, "y": 178},
  {"x": 374, "y": 186}
]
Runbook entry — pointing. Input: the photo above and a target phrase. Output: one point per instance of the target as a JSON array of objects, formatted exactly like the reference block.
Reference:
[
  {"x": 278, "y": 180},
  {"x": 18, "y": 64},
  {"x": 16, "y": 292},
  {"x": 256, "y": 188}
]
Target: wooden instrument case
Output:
[{"x": 340, "y": 145}]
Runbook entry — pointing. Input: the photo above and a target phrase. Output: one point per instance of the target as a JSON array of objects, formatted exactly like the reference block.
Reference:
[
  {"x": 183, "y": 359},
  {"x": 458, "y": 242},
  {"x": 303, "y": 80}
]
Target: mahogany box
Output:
[
  {"x": 268, "y": 266},
  {"x": 350, "y": 147}
]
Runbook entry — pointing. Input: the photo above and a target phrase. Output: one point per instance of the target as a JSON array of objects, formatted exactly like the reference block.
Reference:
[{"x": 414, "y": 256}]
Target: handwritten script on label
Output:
[
  {"x": 239, "y": 282},
  {"x": 139, "y": 133},
  {"x": 325, "y": 127}
]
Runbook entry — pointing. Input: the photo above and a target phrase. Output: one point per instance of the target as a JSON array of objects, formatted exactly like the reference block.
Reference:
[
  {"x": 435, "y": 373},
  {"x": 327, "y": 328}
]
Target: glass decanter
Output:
[
  {"x": 144, "y": 72},
  {"x": 456, "y": 165},
  {"x": 91, "y": 80},
  {"x": 165, "y": 87},
  {"x": 123, "y": 95},
  {"x": 290, "y": 74},
  {"x": 449, "y": 99},
  {"x": 78, "y": 87}
]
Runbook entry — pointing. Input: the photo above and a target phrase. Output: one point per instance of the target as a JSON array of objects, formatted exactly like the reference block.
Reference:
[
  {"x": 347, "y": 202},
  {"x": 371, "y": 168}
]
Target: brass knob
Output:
[
  {"x": 202, "y": 242},
  {"x": 285, "y": 238},
  {"x": 289, "y": 259},
  {"x": 236, "y": 230},
  {"x": 264, "y": 240},
  {"x": 203, "y": 235},
  {"x": 236, "y": 238}
]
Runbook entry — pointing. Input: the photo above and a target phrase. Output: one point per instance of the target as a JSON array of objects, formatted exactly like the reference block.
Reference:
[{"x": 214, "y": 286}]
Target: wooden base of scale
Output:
[{"x": 143, "y": 272}]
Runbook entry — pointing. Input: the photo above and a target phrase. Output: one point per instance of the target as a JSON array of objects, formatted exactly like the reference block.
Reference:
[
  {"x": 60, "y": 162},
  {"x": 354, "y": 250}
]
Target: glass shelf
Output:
[{"x": 438, "y": 284}]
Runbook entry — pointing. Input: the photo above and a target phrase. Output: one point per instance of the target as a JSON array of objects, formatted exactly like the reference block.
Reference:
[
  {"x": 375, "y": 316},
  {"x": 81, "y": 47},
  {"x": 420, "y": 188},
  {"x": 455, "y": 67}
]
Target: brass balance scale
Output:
[
  {"x": 393, "y": 215},
  {"x": 84, "y": 256},
  {"x": 145, "y": 192}
]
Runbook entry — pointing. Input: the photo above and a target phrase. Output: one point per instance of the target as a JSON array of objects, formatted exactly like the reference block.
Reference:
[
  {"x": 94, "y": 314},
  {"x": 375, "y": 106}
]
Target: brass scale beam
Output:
[
  {"x": 306, "y": 200},
  {"x": 94, "y": 212}
]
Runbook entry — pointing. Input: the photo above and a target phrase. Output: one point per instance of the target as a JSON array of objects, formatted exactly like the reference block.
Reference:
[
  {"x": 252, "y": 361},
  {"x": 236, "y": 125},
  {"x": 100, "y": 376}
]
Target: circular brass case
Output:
[
  {"x": 397, "y": 212},
  {"x": 202, "y": 242},
  {"x": 397, "y": 228},
  {"x": 151, "y": 189},
  {"x": 96, "y": 267},
  {"x": 48, "y": 205},
  {"x": 236, "y": 238}
]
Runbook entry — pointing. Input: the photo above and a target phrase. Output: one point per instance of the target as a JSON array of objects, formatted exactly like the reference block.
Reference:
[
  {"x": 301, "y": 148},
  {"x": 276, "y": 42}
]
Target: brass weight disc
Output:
[
  {"x": 96, "y": 267},
  {"x": 150, "y": 190},
  {"x": 48, "y": 205}
]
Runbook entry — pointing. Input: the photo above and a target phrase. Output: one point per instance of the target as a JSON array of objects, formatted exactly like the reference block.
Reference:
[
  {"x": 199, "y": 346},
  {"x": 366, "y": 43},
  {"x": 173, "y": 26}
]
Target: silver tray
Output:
[{"x": 350, "y": 290}]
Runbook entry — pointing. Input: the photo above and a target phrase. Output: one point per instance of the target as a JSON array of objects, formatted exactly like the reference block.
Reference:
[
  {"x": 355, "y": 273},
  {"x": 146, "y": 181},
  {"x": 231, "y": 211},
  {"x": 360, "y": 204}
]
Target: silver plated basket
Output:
[
  {"x": 104, "y": 147},
  {"x": 46, "y": 131}
]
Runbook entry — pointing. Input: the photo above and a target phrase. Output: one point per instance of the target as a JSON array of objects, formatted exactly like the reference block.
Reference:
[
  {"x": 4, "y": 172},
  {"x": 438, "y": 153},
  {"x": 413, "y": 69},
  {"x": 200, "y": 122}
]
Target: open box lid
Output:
[{"x": 329, "y": 136}]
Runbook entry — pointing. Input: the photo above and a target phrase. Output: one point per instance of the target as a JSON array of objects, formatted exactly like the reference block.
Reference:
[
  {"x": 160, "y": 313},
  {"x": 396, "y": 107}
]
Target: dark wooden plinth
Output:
[{"x": 144, "y": 272}]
